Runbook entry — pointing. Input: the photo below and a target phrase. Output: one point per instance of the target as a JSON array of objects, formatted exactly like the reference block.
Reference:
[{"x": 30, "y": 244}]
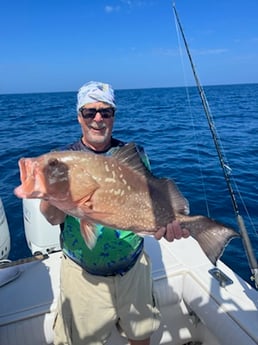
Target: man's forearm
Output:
[{"x": 52, "y": 214}]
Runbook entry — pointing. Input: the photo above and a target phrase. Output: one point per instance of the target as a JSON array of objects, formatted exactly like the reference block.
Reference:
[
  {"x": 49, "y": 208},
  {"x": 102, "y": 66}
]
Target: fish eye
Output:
[{"x": 53, "y": 162}]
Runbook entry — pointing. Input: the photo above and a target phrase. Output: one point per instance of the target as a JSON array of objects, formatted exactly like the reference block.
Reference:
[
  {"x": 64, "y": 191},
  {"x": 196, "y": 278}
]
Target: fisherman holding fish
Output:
[
  {"x": 103, "y": 194},
  {"x": 111, "y": 283}
]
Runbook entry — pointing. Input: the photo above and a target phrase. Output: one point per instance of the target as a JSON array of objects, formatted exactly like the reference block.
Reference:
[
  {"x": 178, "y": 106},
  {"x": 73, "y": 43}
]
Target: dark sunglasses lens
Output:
[
  {"x": 107, "y": 113},
  {"x": 91, "y": 113},
  {"x": 88, "y": 113}
]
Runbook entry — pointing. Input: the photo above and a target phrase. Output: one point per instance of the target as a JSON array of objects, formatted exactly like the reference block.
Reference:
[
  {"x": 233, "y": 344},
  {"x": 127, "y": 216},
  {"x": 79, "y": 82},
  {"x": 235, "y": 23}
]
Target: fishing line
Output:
[
  {"x": 202, "y": 176},
  {"x": 245, "y": 208},
  {"x": 221, "y": 155}
]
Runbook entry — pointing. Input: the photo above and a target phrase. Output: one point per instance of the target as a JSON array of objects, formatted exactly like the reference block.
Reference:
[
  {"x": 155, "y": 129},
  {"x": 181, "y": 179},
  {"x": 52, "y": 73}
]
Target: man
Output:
[{"x": 110, "y": 284}]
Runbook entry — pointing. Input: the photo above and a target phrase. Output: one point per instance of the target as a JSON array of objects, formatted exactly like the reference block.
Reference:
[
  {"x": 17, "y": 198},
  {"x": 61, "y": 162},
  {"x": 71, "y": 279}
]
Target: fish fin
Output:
[
  {"x": 89, "y": 233},
  {"x": 89, "y": 186},
  {"x": 86, "y": 205},
  {"x": 130, "y": 156},
  {"x": 176, "y": 199},
  {"x": 211, "y": 235}
]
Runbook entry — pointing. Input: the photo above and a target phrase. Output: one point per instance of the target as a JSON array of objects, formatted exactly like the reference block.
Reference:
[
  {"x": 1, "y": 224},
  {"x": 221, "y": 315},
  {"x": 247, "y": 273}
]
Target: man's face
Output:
[{"x": 96, "y": 126}]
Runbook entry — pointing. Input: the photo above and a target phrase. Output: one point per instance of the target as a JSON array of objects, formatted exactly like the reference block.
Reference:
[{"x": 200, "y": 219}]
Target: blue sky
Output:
[{"x": 57, "y": 45}]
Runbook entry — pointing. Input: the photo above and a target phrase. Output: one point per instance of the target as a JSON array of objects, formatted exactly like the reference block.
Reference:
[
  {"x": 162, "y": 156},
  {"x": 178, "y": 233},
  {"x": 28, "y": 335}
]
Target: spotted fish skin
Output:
[{"x": 117, "y": 191}]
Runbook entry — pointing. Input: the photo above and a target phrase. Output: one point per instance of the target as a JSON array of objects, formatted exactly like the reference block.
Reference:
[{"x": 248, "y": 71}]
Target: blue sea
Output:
[{"x": 171, "y": 124}]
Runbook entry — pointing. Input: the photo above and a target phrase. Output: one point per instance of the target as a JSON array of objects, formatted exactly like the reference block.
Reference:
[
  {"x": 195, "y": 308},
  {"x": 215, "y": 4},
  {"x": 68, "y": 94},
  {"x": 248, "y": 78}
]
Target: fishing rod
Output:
[{"x": 244, "y": 234}]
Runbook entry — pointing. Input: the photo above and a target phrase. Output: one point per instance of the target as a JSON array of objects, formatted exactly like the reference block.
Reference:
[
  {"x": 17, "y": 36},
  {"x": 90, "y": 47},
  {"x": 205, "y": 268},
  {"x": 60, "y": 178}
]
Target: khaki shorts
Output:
[{"x": 90, "y": 306}]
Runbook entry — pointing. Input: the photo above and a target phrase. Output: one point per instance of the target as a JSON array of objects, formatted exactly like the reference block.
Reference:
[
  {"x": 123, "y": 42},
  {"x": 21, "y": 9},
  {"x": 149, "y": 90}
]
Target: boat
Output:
[
  {"x": 199, "y": 303},
  {"x": 5, "y": 242}
]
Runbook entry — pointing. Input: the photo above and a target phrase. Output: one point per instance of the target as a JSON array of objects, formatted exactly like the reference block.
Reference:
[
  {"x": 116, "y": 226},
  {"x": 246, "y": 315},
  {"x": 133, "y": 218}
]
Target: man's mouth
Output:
[{"x": 97, "y": 128}]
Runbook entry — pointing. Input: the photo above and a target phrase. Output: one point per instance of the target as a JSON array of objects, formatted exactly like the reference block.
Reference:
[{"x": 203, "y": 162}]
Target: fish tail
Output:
[{"x": 211, "y": 235}]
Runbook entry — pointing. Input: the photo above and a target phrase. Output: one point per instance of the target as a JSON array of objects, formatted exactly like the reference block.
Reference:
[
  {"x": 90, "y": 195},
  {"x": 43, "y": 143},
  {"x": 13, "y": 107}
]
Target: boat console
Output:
[{"x": 41, "y": 236}]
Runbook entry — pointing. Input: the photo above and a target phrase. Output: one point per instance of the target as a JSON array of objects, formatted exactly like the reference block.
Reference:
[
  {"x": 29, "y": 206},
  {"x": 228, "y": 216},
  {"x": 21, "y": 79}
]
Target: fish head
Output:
[
  {"x": 44, "y": 177},
  {"x": 62, "y": 178}
]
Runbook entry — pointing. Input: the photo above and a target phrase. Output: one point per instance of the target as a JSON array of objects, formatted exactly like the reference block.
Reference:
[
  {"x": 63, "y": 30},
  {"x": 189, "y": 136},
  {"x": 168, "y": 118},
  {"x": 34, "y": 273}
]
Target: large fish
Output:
[{"x": 117, "y": 191}]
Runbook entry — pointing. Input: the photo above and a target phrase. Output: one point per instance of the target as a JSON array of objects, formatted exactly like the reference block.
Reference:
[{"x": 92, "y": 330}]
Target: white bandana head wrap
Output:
[{"x": 95, "y": 91}]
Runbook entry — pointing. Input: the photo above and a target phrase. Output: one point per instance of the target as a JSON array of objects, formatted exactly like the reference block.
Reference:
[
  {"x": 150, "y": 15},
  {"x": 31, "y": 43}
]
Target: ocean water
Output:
[{"x": 171, "y": 124}]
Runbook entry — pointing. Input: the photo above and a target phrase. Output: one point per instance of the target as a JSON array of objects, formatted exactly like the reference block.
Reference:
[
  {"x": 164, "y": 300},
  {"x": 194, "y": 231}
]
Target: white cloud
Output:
[
  {"x": 127, "y": 4},
  {"x": 110, "y": 9}
]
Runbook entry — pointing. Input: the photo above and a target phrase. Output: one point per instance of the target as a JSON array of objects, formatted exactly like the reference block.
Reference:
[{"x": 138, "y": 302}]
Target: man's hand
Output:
[
  {"x": 172, "y": 231},
  {"x": 52, "y": 214}
]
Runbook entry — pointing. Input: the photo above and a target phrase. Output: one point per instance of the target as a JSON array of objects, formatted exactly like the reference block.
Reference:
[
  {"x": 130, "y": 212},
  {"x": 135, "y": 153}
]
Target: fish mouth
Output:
[{"x": 29, "y": 181}]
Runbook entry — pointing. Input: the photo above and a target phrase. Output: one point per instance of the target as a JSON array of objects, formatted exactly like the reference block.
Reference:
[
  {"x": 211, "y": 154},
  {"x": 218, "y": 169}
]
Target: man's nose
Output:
[{"x": 98, "y": 116}]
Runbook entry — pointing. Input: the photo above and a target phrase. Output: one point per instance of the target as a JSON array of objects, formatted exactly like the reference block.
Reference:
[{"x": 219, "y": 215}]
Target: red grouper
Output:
[{"x": 116, "y": 191}]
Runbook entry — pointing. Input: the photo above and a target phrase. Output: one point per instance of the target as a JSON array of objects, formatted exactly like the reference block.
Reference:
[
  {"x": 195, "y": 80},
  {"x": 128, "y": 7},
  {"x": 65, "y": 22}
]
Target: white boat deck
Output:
[{"x": 193, "y": 305}]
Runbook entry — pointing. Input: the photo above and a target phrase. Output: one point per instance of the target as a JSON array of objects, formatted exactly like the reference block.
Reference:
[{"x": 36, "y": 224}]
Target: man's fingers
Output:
[
  {"x": 177, "y": 230},
  {"x": 160, "y": 233},
  {"x": 171, "y": 232},
  {"x": 170, "y": 235},
  {"x": 185, "y": 233}
]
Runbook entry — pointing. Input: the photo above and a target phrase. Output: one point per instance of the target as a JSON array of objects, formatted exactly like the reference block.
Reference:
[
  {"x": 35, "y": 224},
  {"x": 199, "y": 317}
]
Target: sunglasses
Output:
[{"x": 90, "y": 113}]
